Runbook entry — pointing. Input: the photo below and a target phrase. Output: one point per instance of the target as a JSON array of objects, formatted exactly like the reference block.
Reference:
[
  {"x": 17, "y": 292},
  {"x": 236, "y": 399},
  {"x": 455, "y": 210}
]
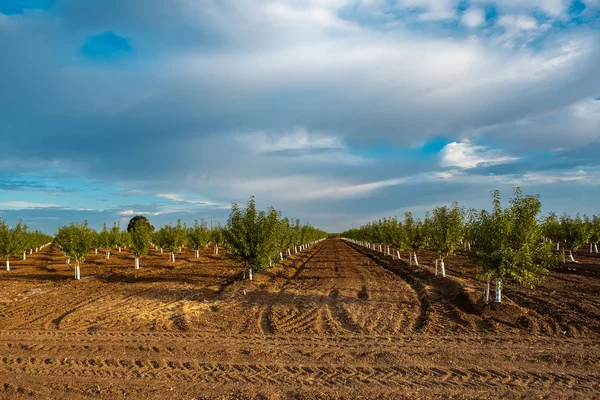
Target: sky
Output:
[{"x": 336, "y": 112}]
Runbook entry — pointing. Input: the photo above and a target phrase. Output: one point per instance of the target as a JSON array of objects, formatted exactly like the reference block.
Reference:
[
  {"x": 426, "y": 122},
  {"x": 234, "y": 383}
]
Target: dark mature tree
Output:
[{"x": 139, "y": 220}]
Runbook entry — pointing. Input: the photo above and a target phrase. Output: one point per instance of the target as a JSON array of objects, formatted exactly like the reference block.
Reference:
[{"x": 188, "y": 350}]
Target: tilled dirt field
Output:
[{"x": 337, "y": 321}]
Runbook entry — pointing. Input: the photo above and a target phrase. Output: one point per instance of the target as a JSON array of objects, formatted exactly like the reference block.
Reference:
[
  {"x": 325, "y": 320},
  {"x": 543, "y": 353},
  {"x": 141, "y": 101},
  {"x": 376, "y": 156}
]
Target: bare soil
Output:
[{"x": 335, "y": 322}]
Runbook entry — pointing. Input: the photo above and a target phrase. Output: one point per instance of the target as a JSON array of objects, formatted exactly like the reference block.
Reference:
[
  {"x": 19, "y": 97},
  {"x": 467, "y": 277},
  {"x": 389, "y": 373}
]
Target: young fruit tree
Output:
[
  {"x": 95, "y": 240},
  {"x": 216, "y": 236},
  {"x": 76, "y": 240},
  {"x": 285, "y": 238},
  {"x": 253, "y": 237},
  {"x": 574, "y": 234},
  {"x": 159, "y": 239},
  {"x": 414, "y": 234},
  {"x": 125, "y": 239},
  {"x": 174, "y": 237},
  {"x": 594, "y": 230},
  {"x": 198, "y": 236},
  {"x": 446, "y": 232},
  {"x": 141, "y": 235},
  {"x": 551, "y": 230},
  {"x": 104, "y": 240},
  {"x": 114, "y": 237},
  {"x": 508, "y": 243},
  {"x": 12, "y": 241},
  {"x": 398, "y": 237}
]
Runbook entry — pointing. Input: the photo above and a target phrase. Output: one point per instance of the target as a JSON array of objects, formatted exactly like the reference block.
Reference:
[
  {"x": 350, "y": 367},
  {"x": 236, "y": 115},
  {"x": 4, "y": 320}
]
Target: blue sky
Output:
[{"x": 333, "y": 111}]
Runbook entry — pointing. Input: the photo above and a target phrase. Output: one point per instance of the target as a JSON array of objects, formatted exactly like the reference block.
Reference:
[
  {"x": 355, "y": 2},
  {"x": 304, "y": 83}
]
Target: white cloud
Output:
[
  {"x": 473, "y": 17},
  {"x": 466, "y": 155},
  {"x": 517, "y": 23},
  {"x": 563, "y": 128},
  {"x": 180, "y": 199},
  {"x": 132, "y": 212},
  {"x": 24, "y": 205},
  {"x": 308, "y": 187},
  {"x": 298, "y": 139}
]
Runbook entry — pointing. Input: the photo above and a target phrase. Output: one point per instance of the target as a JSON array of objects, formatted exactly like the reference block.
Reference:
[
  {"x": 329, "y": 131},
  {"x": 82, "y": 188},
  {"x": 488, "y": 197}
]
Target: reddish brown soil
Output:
[{"x": 333, "y": 322}]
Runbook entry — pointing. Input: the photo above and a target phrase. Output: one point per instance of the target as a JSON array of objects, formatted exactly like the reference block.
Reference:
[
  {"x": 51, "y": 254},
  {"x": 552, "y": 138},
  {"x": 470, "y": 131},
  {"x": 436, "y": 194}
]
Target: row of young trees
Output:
[
  {"x": 258, "y": 238},
  {"x": 513, "y": 243},
  {"x": 255, "y": 238},
  {"x": 19, "y": 240}
]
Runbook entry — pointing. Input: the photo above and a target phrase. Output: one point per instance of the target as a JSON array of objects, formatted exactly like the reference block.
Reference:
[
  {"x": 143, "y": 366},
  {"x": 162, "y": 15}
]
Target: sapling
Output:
[
  {"x": 76, "y": 240},
  {"x": 104, "y": 240},
  {"x": 446, "y": 232},
  {"x": 198, "y": 236},
  {"x": 508, "y": 243},
  {"x": 12, "y": 241},
  {"x": 574, "y": 234},
  {"x": 140, "y": 241},
  {"x": 414, "y": 232}
]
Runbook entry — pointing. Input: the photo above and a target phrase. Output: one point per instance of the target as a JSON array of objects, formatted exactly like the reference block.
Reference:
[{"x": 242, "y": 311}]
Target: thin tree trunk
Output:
[
  {"x": 8, "y": 264},
  {"x": 442, "y": 267},
  {"x": 571, "y": 257},
  {"x": 137, "y": 263},
  {"x": 24, "y": 255},
  {"x": 77, "y": 272},
  {"x": 216, "y": 249},
  {"x": 416, "y": 260}
]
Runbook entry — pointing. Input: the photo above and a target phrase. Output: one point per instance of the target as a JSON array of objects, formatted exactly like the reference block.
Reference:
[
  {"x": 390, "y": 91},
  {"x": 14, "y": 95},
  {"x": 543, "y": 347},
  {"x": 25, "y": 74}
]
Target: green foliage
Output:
[
  {"x": 253, "y": 236},
  {"x": 198, "y": 235},
  {"x": 414, "y": 232},
  {"x": 125, "y": 238},
  {"x": 140, "y": 239},
  {"x": 36, "y": 239},
  {"x": 114, "y": 236},
  {"x": 446, "y": 229},
  {"x": 75, "y": 240},
  {"x": 594, "y": 228},
  {"x": 216, "y": 235},
  {"x": 508, "y": 242},
  {"x": 574, "y": 232},
  {"x": 104, "y": 238},
  {"x": 388, "y": 231},
  {"x": 172, "y": 237},
  {"x": 13, "y": 241},
  {"x": 139, "y": 220},
  {"x": 256, "y": 237},
  {"x": 551, "y": 228}
]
